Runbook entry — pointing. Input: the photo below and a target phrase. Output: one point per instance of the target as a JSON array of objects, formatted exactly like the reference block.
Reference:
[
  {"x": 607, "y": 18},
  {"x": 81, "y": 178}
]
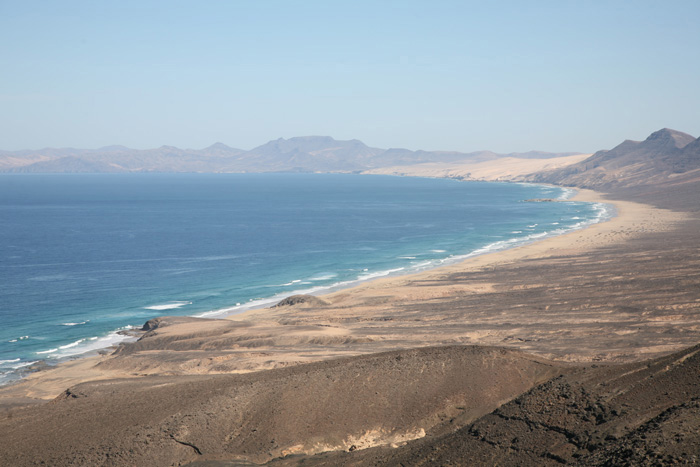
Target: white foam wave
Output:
[
  {"x": 72, "y": 344},
  {"x": 176, "y": 272},
  {"x": 291, "y": 283},
  {"x": 75, "y": 324},
  {"x": 22, "y": 365},
  {"x": 20, "y": 338},
  {"x": 324, "y": 277},
  {"x": 47, "y": 351},
  {"x": 92, "y": 344},
  {"x": 167, "y": 306},
  {"x": 566, "y": 194},
  {"x": 199, "y": 259},
  {"x": 373, "y": 275},
  {"x": 438, "y": 251},
  {"x": 49, "y": 278},
  {"x": 3, "y": 362}
]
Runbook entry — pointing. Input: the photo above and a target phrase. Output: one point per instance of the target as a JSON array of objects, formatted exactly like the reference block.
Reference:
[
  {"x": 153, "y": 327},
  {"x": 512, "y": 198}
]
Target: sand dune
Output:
[{"x": 502, "y": 169}]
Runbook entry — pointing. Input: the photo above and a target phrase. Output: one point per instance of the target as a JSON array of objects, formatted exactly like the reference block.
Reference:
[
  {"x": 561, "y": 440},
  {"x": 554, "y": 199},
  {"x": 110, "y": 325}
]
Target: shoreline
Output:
[
  {"x": 626, "y": 220},
  {"x": 128, "y": 332},
  {"x": 228, "y": 312},
  {"x": 321, "y": 325}
]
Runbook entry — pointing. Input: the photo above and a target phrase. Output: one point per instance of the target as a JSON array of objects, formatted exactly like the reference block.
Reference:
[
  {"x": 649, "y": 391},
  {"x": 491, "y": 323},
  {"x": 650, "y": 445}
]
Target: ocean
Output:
[{"x": 84, "y": 256}]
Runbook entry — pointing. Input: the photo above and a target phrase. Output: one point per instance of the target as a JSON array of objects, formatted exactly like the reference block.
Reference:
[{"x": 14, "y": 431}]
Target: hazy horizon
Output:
[
  {"x": 262, "y": 143},
  {"x": 453, "y": 76}
]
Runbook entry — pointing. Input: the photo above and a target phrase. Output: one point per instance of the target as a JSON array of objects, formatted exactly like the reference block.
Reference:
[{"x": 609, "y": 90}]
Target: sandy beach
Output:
[{"x": 515, "y": 298}]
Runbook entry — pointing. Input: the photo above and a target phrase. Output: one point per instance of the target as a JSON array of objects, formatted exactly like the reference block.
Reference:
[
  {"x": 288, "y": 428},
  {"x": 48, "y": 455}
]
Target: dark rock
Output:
[{"x": 299, "y": 299}]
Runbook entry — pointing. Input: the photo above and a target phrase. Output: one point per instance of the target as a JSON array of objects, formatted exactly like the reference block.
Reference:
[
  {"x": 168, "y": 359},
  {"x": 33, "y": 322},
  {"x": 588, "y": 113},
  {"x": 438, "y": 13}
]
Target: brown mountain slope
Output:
[
  {"x": 360, "y": 401},
  {"x": 638, "y": 414},
  {"x": 665, "y": 157}
]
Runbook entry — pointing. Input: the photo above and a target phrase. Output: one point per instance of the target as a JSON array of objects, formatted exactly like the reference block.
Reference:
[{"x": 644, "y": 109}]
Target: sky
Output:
[{"x": 507, "y": 76}]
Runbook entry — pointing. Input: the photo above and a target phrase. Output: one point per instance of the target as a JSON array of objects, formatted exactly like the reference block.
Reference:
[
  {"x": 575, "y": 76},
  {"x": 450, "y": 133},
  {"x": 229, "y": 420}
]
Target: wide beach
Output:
[{"x": 560, "y": 298}]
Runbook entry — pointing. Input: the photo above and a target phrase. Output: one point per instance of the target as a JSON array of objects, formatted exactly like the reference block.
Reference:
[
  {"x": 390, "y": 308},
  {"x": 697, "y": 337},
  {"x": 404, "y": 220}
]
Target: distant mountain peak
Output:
[
  {"x": 667, "y": 136},
  {"x": 219, "y": 145},
  {"x": 318, "y": 139},
  {"x": 306, "y": 144}
]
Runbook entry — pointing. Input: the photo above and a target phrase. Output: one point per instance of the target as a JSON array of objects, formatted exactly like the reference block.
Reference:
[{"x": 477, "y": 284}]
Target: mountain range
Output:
[
  {"x": 667, "y": 157},
  {"x": 299, "y": 154}
]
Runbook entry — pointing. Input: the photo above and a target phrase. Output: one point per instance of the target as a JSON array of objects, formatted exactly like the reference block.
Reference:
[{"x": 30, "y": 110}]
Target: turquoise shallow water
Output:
[{"x": 83, "y": 256}]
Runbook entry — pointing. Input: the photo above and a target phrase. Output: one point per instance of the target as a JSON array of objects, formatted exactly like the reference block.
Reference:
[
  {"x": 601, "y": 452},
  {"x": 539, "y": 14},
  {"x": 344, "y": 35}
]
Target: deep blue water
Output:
[{"x": 82, "y": 256}]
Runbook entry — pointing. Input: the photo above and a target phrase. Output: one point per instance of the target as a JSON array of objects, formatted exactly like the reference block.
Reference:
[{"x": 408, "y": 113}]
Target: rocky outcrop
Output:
[{"x": 299, "y": 299}]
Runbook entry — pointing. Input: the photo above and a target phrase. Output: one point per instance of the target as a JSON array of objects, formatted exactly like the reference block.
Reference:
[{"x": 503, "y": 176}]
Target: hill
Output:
[
  {"x": 666, "y": 157},
  {"x": 299, "y": 154},
  {"x": 347, "y": 403},
  {"x": 638, "y": 414},
  {"x": 452, "y": 406}
]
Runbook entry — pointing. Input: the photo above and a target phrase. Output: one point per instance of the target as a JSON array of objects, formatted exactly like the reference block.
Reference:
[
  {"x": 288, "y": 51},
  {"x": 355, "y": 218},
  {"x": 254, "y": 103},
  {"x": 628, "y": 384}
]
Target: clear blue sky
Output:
[{"x": 454, "y": 75}]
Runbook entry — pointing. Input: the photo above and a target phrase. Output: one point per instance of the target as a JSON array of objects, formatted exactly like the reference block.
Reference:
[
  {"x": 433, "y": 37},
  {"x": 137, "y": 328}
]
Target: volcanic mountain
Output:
[{"x": 665, "y": 157}]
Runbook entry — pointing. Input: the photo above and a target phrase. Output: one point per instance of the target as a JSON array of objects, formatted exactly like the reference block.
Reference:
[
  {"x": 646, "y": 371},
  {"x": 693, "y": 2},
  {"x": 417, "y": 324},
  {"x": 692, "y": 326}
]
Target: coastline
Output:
[
  {"x": 238, "y": 309},
  {"x": 355, "y": 321},
  {"x": 228, "y": 284},
  {"x": 85, "y": 345},
  {"x": 629, "y": 219}
]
